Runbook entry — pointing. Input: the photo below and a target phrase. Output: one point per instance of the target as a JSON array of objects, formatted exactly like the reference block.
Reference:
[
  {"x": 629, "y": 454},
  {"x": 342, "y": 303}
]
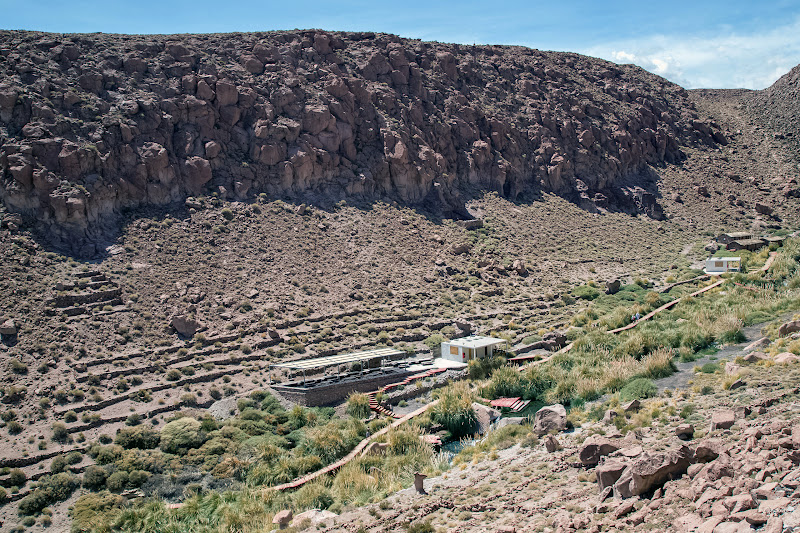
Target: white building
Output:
[
  {"x": 719, "y": 265},
  {"x": 466, "y": 349}
]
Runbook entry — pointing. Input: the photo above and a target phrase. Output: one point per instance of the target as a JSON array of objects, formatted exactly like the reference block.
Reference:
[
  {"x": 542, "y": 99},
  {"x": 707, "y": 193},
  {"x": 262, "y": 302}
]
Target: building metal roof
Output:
[
  {"x": 514, "y": 404},
  {"x": 749, "y": 241},
  {"x": 322, "y": 362},
  {"x": 724, "y": 259},
  {"x": 476, "y": 341},
  {"x": 739, "y": 234}
]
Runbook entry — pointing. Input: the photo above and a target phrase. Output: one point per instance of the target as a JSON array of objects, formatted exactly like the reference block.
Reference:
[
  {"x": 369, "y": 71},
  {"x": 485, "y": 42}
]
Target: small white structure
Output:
[
  {"x": 466, "y": 349},
  {"x": 719, "y": 265}
]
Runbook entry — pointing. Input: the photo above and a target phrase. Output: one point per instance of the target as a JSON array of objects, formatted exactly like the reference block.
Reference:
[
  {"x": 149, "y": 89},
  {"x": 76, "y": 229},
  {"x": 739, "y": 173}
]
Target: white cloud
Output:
[{"x": 751, "y": 61}]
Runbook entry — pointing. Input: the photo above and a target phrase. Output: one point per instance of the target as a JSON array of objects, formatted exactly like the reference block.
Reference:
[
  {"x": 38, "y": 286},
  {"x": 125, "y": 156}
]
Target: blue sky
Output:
[{"x": 700, "y": 43}]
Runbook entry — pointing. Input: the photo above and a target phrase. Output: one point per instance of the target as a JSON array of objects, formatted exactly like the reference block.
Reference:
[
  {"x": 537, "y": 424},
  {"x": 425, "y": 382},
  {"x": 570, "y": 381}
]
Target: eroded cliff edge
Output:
[{"x": 94, "y": 124}]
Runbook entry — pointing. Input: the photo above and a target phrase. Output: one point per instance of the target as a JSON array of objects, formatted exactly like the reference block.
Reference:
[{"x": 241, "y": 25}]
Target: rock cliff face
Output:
[{"x": 93, "y": 124}]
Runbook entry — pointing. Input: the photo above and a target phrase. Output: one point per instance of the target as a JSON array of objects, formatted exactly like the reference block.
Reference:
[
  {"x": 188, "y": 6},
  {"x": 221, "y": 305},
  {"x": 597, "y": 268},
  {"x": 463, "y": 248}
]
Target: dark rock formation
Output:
[{"x": 93, "y": 124}]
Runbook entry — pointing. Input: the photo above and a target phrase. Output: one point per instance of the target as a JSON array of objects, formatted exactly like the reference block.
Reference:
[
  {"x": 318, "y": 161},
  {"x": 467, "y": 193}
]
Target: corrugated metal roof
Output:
[
  {"x": 476, "y": 341},
  {"x": 504, "y": 402},
  {"x": 322, "y": 362}
]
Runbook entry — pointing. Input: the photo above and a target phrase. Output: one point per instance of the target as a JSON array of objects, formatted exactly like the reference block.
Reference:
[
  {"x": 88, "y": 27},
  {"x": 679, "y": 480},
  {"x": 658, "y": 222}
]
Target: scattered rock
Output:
[
  {"x": 282, "y": 518},
  {"x": 785, "y": 358},
  {"x": 763, "y": 209},
  {"x": 732, "y": 368},
  {"x": 609, "y": 416},
  {"x": 612, "y": 287},
  {"x": 594, "y": 448},
  {"x": 608, "y": 473},
  {"x": 553, "y": 340},
  {"x": 723, "y": 419},
  {"x": 789, "y": 327},
  {"x": 737, "y": 384},
  {"x": 624, "y": 509},
  {"x": 684, "y": 431},
  {"x": 461, "y": 248},
  {"x": 315, "y": 516},
  {"x": 754, "y": 357},
  {"x": 551, "y": 444},
  {"x": 632, "y": 406}
]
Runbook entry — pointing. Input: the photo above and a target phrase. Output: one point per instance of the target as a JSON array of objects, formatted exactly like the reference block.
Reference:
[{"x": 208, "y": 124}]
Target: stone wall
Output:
[{"x": 327, "y": 394}]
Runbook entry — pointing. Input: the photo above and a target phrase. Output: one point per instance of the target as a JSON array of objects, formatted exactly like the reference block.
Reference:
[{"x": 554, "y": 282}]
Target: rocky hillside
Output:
[
  {"x": 779, "y": 109},
  {"x": 94, "y": 124}
]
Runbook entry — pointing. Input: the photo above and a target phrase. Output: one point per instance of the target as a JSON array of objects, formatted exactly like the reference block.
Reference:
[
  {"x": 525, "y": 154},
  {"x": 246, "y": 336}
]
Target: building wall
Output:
[
  {"x": 337, "y": 391},
  {"x": 459, "y": 356}
]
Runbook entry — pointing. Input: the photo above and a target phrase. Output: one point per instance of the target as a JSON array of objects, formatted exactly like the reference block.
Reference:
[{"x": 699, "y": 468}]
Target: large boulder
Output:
[
  {"x": 784, "y": 358},
  {"x": 612, "y": 287},
  {"x": 186, "y": 325},
  {"x": 554, "y": 340},
  {"x": 9, "y": 327},
  {"x": 550, "y": 418},
  {"x": 594, "y": 448},
  {"x": 651, "y": 471},
  {"x": 723, "y": 419},
  {"x": 789, "y": 327},
  {"x": 708, "y": 450},
  {"x": 608, "y": 473}
]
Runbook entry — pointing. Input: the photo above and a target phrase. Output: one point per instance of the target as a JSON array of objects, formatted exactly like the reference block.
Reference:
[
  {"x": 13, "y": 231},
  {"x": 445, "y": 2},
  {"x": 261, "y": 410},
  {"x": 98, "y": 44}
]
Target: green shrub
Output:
[
  {"x": 687, "y": 410},
  {"x": 314, "y": 496},
  {"x": 586, "y": 292},
  {"x": 638, "y": 389},
  {"x": 138, "y": 437},
  {"x": 60, "y": 433},
  {"x": 483, "y": 368},
  {"x": 58, "y": 464},
  {"x": 454, "y": 410},
  {"x": 420, "y": 527},
  {"x": 709, "y": 368},
  {"x": 181, "y": 435},
  {"x": 358, "y": 405},
  {"x": 94, "y": 477},
  {"x": 91, "y": 510},
  {"x": 51, "y": 489},
  {"x": 138, "y": 478},
  {"x": 334, "y": 439},
  {"x": 18, "y": 367},
  {"x": 117, "y": 481},
  {"x": 16, "y": 478}
]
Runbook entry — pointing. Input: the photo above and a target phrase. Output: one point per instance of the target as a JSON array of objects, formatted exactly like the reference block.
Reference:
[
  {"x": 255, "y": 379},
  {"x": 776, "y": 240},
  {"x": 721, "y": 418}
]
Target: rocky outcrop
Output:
[
  {"x": 185, "y": 325},
  {"x": 651, "y": 471},
  {"x": 93, "y": 124},
  {"x": 550, "y": 418}
]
